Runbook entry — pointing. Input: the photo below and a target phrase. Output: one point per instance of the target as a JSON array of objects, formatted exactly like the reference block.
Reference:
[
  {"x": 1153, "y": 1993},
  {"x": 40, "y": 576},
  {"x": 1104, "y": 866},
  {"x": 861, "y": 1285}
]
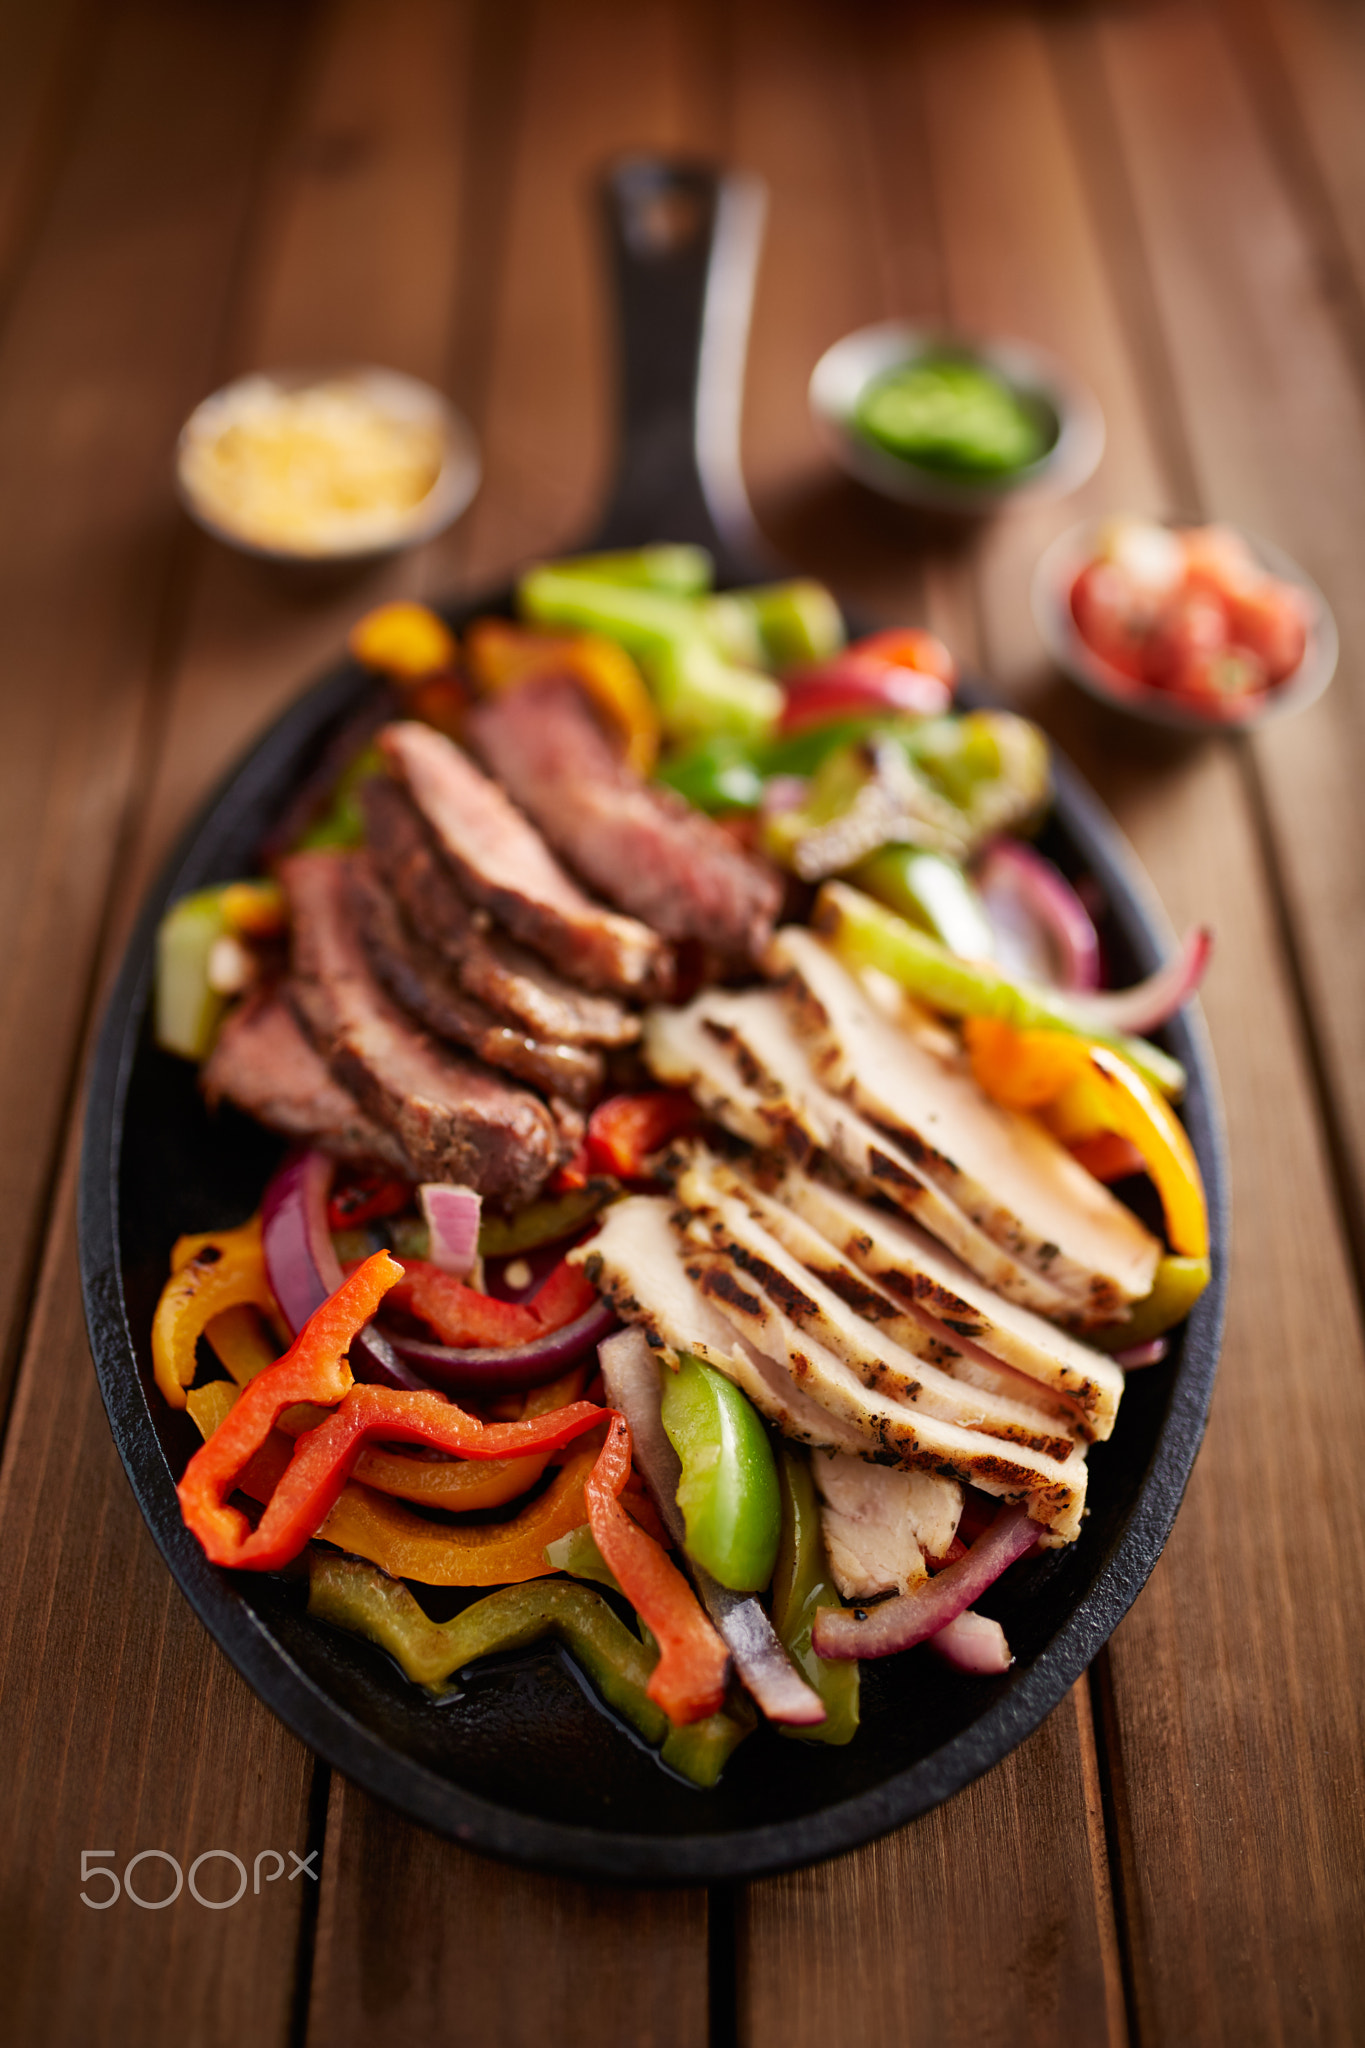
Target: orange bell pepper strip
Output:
[
  {"x": 500, "y": 655},
  {"x": 1084, "y": 1089},
  {"x": 1112, "y": 1096},
  {"x": 407, "y": 1546},
  {"x": 407, "y": 642},
  {"x": 210, "y": 1273},
  {"x": 688, "y": 1681},
  {"x": 462, "y": 1484}
]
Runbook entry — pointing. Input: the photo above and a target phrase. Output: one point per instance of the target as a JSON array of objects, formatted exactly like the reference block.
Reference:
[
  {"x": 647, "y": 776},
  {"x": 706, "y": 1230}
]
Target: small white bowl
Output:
[
  {"x": 844, "y": 372},
  {"x": 403, "y": 399},
  {"x": 1053, "y": 578}
]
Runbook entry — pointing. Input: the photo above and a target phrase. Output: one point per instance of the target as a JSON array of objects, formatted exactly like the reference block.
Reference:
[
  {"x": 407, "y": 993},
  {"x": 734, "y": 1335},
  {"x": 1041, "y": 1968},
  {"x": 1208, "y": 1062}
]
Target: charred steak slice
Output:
[
  {"x": 643, "y": 848},
  {"x": 264, "y": 1064},
  {"x": 418, "y": 979},
  {"x": 457, "y": 1121},
  {"x": 501, "y": 862},
  {"x": 489, "y": 966}
]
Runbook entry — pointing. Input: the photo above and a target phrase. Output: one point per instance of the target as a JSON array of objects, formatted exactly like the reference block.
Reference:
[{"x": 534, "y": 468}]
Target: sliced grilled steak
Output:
[
  {"x": 643, "y": 848},
  {"x": 489, "y": 966},
  {"x": 457, "y": 1121},
  {"x": 501, "y": 862},
  {"x": 418, "y": 979},
  {"x": 264, "y": 1064}
]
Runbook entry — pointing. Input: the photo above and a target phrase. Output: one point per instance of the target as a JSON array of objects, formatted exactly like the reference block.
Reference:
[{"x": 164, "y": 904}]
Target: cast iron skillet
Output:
[{"x": 523, "y": 1764}]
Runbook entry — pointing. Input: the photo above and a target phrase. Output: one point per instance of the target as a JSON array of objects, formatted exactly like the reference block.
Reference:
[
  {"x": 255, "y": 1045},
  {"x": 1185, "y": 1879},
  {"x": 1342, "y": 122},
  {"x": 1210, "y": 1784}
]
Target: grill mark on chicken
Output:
[
  {"x": 416, "y": 978},
  {"x": 455, "y": 1119},
  {"x": 501, "y": 862},
  {"x": 638, "y": 845},
  {"x": 491, "y": 968}
]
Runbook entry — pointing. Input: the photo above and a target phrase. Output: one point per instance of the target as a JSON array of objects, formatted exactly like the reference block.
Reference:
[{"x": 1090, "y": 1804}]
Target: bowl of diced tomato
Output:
[{"x": 1196, "y": 627}]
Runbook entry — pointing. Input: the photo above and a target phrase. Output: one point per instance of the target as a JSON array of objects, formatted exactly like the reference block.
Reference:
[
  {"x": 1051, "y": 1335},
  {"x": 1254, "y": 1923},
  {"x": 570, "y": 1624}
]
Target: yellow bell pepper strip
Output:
[
  {"x": 802, "y": 1584},
  {"x": 407, "y": 1546},
  {"x": 689, "y": 1680},
  {"x": 500, "y": 655},
  {"x": 867, "y": 934},
  {"x": 211, "y": 1272},
  {"x": 1178, "y": 1285},
  {"x": 255, "y": 910},
  {"x": 208, "y": 1405},
  {"x": 356, "y": 1597},
  {"x": 1022, "y": 1070},
  {"x": 242, "y": 1344},
  {"x": 407, "y": 642},
  {"x": 1108, "y": 1094}
]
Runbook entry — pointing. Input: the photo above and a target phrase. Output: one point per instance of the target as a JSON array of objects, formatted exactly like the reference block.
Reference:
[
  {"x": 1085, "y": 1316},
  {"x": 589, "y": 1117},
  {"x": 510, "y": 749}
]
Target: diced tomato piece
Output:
[
  {"x": 1269, "y": 621},
  {"x": 626, "y": 1131},
  {"x": 1222, "y": 676},
  {"x": 1111, "y": 616},
  {"x": 363, "y": 1198},
  {"x": 1195, "y": 625},
  {"x": 1108, "y": 1156},
  {"x": 1218, "y": 561}
]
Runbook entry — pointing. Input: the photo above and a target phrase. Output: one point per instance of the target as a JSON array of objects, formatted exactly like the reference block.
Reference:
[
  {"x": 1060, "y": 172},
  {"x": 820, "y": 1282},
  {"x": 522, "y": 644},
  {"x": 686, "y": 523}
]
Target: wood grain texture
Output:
[
  {"x": 605, "y": 1965},
  {"x": 879, "y": 128},
  {"x": 124, "y": 1729},
  {"x": 418, "y": 1939},
  {"x": 976, "y": 1923},
  {"x": 106, "y": 348}
]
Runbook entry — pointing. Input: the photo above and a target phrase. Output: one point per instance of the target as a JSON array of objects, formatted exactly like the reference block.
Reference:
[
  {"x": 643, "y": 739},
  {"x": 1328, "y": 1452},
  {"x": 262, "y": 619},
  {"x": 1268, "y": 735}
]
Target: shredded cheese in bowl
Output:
[{"x": 349, "y": 463}]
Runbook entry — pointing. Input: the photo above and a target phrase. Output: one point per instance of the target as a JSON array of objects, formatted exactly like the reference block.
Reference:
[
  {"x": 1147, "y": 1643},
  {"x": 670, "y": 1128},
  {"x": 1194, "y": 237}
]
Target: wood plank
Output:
[
  {"x": 124, "y": 1730},
  {"x": 179, "y": 1754},
  {"x": 1235, "y": 1716},
  {"x": 47, "y": 55},
  {"x": 106, "y": 348},
  {"x": 1255, "y": 343},
  {"x": 610, "y": 1965},
  {"x": 1016, "y": 1866},
  {"x": 423, "y": 1940}
]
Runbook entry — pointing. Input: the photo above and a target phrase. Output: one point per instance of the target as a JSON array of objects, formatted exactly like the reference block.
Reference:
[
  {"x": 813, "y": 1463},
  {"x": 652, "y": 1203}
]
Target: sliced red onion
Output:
[
  {"x": 1150, "y": 1353},
  {"x": 972, "y": 1642},
  {"x": 303, "y": 1269},
  {"x": 1042, "y": 928},
  {"x": 897, "y": 1624},
  {"x": 452, "y": 1218},
  {"x": 1151, "y": 1002},
  {"x": 487, "y": 1370},
  {"x": 630, "y": 1374}
]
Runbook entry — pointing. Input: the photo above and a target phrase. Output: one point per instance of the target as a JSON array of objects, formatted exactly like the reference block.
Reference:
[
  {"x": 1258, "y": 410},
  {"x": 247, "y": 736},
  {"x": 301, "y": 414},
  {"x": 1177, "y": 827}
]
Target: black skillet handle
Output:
[{"x": 684, "y": 239}]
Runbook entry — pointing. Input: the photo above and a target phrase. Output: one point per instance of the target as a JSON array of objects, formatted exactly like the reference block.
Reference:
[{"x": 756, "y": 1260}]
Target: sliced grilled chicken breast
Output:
[
  {"x": 875, "y": 1519},
  {"x": 741, "y": 1057},
  {"x": 1009, "y": 1174},
  {"x": 1055, "y": 1492}
]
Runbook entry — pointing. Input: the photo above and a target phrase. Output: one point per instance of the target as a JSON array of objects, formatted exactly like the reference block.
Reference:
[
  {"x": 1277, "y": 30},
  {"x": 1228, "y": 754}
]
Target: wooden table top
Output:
[{"x": 1172, "y": 198}]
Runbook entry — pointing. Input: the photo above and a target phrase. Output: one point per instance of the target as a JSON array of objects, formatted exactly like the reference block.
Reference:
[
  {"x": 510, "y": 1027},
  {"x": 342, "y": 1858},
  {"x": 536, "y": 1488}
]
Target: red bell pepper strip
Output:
[
  {"x": 314, "y": 1370},
  {"x": 626, "y": 1131},
  {"x": 905, "y": 670},
  {"x": 460, "y": 1315},
  {"x": 688, "y": 1681},
  {"x": 364, "y": 1198}
]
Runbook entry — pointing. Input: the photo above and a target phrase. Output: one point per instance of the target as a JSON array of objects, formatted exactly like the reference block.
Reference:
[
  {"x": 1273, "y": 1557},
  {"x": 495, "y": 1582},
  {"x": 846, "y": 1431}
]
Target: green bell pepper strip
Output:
[
  {"x": 578, "y": 1555},
  {"x": 543, "y": 1222},
  {"x": 777, "y": 625},
  {"x": 696, "y": 689},
  {"x": 866, "y": 934},
  {"x": 700, "y": 1751},
  {"x": 801, "y": 1586},
  {"x": 1178, "y": 1285},
  {"x": 343, "y": 822},
  {"x": 719, "y": 774},
  {"x": 929, "y": 890},
  {"x": 673, "y": 567},
  {"x": 188, "y": 1012},
  {"x": 361, "y": 1598},
  {"x": 728, "y": 1493}
]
